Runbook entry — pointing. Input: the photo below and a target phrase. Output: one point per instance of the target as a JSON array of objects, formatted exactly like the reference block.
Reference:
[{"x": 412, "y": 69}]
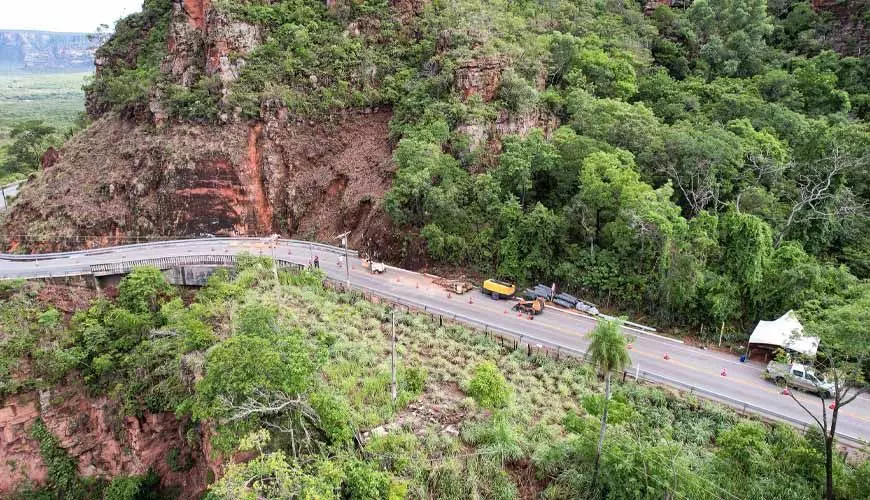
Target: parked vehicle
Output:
[
  {"x": 498, "y": 289},
  {"x": 533, "y": 307},
  {"x": 800, "y": 376},
  {"x": 374, "y": 267}
]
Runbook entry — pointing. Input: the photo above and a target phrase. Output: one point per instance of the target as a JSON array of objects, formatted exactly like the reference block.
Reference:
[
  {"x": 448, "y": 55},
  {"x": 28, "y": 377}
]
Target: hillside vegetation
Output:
[
  {"x": 697, "y": 166},
  {"x": 299, "y": 374}
]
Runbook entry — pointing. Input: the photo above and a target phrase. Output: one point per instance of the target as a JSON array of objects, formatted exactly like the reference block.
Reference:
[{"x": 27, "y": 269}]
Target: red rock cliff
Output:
[
  {"x": 119, "y": 181},
  {"x": 104, "y": 445}
]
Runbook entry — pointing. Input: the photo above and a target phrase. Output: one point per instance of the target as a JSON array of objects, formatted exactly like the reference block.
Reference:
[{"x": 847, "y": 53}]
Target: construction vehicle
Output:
[
  {"x": 457, "y": 286},
  {"x": 531, "y": 307},
  {"x": 498, "y": 289}
]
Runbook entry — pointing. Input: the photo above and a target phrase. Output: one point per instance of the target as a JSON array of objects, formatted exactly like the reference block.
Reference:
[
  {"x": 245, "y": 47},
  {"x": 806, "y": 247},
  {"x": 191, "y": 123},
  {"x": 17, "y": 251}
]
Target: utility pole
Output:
[
  {"x": 721, "y": 333},
  {"x": 394, "y": 390},
  {"x": 343, "y": 238}
]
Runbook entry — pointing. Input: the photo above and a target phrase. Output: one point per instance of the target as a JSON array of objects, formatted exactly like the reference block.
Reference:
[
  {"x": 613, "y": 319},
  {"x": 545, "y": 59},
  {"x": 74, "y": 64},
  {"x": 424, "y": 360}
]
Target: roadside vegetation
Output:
[{"x": 299, "y": 374}]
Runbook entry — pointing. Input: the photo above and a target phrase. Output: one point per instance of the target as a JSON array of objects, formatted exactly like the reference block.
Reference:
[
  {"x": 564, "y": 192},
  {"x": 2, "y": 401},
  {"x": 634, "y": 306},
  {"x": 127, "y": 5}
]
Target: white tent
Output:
[{"x": 786, "y": 332}]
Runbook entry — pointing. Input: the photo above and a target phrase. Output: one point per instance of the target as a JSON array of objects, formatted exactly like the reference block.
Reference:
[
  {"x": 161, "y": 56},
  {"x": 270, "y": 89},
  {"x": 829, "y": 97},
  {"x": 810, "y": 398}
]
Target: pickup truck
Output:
[{"x": 800, "y": 376}]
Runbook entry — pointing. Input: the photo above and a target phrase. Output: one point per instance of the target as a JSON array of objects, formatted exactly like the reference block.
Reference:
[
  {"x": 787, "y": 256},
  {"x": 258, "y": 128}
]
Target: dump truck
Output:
[
  {"x": 800, "y": 376},
  {"x": 498, "y": 289},
  {"x": 533, "y": 307}
]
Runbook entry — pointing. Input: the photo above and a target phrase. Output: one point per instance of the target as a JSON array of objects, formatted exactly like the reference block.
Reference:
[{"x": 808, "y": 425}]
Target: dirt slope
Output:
[{"x": 124, "y": 181}]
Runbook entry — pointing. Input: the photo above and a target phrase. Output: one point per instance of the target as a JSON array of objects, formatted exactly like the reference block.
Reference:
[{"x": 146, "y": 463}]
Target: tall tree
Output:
[
  {"x": 29, "y": 141},
  {"x": 608, "y": 352},
  {"x": 844, "y": 354}
]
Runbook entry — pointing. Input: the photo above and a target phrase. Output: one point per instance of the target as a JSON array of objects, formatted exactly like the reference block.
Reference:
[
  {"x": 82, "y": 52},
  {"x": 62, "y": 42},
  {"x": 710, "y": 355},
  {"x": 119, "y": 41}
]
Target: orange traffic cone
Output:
[{"x": 667, "y": 356}]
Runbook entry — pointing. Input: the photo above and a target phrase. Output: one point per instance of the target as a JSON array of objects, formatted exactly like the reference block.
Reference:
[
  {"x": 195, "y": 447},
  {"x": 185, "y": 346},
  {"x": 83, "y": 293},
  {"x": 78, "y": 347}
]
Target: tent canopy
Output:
[{"x": 786, "y": 332}]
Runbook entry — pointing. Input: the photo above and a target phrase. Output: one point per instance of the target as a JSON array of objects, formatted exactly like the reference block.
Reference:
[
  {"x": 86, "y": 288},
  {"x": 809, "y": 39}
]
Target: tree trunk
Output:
[
  {"x": 829, "y": 450},
  {"x": 603, "y": 428}
]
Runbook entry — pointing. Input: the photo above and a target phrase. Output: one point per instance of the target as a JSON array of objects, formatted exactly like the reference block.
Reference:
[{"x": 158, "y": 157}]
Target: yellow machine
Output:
[
  {"x": 533, "y": 307},
  {"x": 499, "y": 289}
]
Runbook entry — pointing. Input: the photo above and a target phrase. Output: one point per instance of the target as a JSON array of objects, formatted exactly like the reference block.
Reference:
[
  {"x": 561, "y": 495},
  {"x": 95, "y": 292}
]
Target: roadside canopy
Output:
[{"x": 785, "y": 332}]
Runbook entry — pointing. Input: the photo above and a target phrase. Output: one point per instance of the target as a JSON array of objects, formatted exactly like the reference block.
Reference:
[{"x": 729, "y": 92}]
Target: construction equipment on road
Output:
[
  {"x": 533, "y": 307},
  {"x": 498, "y": 289},
  {"x": 374, "y": 267},
  {"x": 457, "y": 286}
]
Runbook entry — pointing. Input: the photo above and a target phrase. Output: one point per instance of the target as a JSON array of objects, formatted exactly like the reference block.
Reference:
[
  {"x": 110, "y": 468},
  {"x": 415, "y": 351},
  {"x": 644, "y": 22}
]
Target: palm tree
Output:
[{"x": 608, "y": 352}]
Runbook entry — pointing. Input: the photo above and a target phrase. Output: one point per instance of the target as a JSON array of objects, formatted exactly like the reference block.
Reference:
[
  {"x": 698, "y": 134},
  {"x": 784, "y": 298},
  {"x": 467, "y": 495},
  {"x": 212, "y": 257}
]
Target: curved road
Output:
[{"x": 687, "y": 367}]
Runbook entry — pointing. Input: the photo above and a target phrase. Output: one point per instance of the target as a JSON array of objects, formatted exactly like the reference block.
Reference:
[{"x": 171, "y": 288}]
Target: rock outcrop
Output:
[
  {"x": 103, "y": 444},
  {"x": 480, "y": 77}
]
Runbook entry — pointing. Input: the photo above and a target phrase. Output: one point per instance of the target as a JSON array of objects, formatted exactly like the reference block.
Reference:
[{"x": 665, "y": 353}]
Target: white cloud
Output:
[{"x": 64, "y": 15}]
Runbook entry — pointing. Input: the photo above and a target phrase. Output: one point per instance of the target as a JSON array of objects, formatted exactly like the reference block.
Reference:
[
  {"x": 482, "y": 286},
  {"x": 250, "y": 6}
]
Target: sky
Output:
[{"x": 64, "y": 15}]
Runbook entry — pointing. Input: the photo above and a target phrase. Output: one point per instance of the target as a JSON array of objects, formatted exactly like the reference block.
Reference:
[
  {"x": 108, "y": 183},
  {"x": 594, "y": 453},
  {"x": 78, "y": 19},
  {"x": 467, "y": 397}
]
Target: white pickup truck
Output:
[{"x": 800, "y": 376}]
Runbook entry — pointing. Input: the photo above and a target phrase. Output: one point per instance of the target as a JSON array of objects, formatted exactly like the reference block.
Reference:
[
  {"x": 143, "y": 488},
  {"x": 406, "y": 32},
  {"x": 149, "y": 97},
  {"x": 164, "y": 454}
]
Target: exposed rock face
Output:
[
  {"x": 46, "y": 51},
  {"x": 120, "y": 180},
  {"x": 104, "y": 445},
  {"x": 850, "y": 35},
  {"x": 490, "y": 135},
  {"x": 202, "y": 40},
  {"x": 480, "y": 77}
]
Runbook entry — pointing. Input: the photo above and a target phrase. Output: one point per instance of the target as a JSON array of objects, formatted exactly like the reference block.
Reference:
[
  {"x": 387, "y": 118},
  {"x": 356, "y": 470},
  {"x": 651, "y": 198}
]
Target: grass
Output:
[{"x": 56, "y": 99}]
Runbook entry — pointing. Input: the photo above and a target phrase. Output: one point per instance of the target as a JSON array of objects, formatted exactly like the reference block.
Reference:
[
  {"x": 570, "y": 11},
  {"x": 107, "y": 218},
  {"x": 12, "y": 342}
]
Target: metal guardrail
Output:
[
  {"x": 164, "y": 263},
  {"x": 528, "y": 339},
  {"x": 152, "y": 244}
]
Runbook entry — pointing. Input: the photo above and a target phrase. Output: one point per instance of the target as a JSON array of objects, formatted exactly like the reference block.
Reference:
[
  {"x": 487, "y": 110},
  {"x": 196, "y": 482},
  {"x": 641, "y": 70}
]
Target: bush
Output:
[
  {"x": 143, "y": 290},
  {"x": 363, "y": 482},
  {"x": 516, "y": 92},
  {"x": 488, "y": 386}
]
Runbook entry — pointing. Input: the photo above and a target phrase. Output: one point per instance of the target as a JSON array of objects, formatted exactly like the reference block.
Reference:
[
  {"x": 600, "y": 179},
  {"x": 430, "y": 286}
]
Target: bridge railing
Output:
[{"x": 175, "y": 242}]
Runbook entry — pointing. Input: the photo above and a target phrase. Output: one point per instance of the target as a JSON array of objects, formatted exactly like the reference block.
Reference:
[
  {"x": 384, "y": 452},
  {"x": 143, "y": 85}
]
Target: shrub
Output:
[
  {"x": 363, "y": 482},
  {"x": 488, "y": 386},
  {"x": 143, "y": 290}
]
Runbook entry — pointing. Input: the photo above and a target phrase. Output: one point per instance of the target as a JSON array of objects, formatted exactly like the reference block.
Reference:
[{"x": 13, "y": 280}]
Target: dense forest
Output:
[
  {"x": 286, "y": 386},
  {"x": 702, "y": 164}
]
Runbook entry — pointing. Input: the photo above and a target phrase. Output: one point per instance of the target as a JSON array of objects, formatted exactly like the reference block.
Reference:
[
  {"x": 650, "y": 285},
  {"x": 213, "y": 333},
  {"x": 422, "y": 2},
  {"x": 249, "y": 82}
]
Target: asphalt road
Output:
[
  {"x": 687, "y": 366},
  {"x": 10, "y": 191}
]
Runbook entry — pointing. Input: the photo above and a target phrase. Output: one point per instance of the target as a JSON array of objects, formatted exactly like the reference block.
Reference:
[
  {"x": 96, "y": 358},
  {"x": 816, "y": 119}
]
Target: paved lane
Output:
[{"x": 687, "y": 367}]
